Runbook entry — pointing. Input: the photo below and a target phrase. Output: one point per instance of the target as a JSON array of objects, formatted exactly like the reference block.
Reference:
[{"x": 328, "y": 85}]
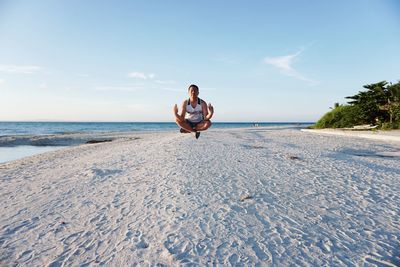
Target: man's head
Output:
[{"x": 193, "y": 90}]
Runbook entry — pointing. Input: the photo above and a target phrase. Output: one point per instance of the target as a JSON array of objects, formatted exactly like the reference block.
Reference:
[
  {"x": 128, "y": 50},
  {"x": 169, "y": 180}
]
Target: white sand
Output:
[
  {"x": 388, "y": 136},
  {"x": 234, "y": 197}
]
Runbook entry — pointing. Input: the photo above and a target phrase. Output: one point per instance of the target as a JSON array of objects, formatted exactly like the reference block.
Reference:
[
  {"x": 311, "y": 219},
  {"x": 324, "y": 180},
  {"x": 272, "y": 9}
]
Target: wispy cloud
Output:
[
  {"x": 285, "y": 66},
  {"x": 141, "y": 75},
  {"x": 19, "y": 69},
  {"x": 2, "y": 81}
]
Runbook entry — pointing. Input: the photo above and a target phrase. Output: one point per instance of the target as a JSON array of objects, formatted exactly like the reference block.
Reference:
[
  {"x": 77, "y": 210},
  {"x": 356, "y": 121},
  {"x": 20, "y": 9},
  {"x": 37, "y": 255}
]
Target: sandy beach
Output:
[
  {"x": 242, "y": 197},
  {"x": 386, "y": 136}
]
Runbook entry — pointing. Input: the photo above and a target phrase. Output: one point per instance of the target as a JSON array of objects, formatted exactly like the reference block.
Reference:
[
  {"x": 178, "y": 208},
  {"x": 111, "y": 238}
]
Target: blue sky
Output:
[{"x": 133, "y": 60}]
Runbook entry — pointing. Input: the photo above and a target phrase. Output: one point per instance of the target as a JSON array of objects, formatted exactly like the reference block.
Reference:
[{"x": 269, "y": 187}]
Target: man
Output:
[{"x": 196, "y": 115}]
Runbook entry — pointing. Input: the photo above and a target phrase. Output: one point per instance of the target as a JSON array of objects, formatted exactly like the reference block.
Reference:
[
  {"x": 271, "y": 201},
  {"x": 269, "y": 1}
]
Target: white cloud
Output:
[
  {"x": 141, "y": 75},
  {"x": 284, "y": 64},
  {"x": 83, "y": 75},
  {"x": 1, "y": 81},
  {"x": 19, "y": 69}
]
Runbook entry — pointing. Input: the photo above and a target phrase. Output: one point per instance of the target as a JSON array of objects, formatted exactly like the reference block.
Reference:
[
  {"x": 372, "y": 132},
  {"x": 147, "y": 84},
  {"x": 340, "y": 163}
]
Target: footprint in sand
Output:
[
  {"x": 132, "y": 235},
  {"x": 25, "y": 256},
  {"x": 325, "y": 245},
  {"x": 142, "y": 244},
  {"x": 30, "y": 224},
  {"x": 258, "y": 250},
  {"x": 182, "y": 216},
  {"x": 176, "y": 246},
  {"x": 99, "y": 175},
  {"x": 72, "y": 238},
  {"x": 169, "y": 209},
  {"x": 202, "y": 247},
  {"x": 137, "y": 238}
]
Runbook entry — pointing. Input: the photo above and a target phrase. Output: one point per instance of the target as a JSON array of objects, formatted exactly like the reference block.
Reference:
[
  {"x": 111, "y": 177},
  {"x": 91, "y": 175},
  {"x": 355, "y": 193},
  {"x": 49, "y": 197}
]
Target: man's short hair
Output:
[{"x": 193, "y": 86}]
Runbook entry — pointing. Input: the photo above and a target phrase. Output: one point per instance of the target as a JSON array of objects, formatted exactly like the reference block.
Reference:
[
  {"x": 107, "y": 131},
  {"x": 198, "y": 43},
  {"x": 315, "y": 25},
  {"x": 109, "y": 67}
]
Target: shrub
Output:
[
  {"x": 341, "y": 117},
  {"x": 396, "y": 114},
  {"x": 386, "y": 126}
]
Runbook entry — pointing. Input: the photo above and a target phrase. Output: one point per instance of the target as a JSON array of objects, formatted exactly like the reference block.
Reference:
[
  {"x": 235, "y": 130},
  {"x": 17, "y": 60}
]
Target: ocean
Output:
[
  {"x": 44, "y": 128},
  {"x": 21, "y": 139}
]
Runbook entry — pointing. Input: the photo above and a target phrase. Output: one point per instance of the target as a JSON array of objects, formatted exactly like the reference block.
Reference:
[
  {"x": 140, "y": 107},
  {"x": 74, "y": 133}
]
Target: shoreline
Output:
[
  {"x": 43, "y": 143},
  {"x": 62, "y": 140}
]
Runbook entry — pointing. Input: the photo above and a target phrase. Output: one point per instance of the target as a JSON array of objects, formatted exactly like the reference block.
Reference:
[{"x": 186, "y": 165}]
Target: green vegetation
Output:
[{"x": 378, "y": 105}]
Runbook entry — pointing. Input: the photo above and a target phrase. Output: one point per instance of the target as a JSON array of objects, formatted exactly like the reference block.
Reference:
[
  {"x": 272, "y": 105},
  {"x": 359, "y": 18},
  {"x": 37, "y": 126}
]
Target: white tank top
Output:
[{"x": 194, "y": 114}]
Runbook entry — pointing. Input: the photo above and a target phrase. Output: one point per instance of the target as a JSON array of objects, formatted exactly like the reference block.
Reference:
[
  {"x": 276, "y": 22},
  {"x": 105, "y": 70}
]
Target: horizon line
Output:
[{"x": 68, "y": 121}]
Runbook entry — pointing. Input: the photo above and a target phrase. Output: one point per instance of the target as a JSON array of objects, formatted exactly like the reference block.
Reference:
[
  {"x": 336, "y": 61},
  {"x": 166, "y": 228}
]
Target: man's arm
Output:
[
  {"x": 208, "y": 111},
  {"x": 180, "y": 117}
]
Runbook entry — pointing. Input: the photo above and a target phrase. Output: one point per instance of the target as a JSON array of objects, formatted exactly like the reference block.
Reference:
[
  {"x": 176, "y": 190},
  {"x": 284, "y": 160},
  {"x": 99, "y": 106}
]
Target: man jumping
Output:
[{"x": 196, "y": 115}]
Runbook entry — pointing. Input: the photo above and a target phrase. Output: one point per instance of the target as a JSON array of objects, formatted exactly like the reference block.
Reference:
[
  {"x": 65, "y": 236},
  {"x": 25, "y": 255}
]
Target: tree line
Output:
[{"x": 378, "y": 104}]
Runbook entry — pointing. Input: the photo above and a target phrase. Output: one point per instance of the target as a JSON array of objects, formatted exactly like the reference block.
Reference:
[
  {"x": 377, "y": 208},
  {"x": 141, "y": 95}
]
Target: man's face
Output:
[{"x": 193, "y": 92}]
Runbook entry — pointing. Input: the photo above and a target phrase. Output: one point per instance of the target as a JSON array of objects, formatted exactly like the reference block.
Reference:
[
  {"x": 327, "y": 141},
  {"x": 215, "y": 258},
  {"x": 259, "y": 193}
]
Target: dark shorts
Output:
[{"x": 192, "y": 124}]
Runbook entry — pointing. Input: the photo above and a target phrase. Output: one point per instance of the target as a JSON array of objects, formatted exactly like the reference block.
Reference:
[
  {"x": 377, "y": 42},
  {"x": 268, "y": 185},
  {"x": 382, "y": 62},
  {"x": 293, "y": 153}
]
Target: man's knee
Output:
[{"x": 205, "y": 125}]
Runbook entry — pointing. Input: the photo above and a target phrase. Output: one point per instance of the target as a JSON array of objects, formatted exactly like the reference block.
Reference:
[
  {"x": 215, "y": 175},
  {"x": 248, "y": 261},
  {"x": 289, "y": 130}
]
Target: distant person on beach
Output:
[{"x": 195, "y": 116}]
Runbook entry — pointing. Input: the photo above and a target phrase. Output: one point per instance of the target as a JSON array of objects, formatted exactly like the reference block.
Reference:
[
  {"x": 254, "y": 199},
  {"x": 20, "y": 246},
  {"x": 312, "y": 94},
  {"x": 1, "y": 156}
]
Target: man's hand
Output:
[
  {"x": 210, "y": 108},
  {"x": 175, "y": 109},
  {"x": 210, "y": 112}
]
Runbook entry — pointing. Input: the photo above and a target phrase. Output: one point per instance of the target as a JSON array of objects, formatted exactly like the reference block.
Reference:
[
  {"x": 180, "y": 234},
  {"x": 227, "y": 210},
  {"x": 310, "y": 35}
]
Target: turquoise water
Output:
[{"x": 18, "y": 152}]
